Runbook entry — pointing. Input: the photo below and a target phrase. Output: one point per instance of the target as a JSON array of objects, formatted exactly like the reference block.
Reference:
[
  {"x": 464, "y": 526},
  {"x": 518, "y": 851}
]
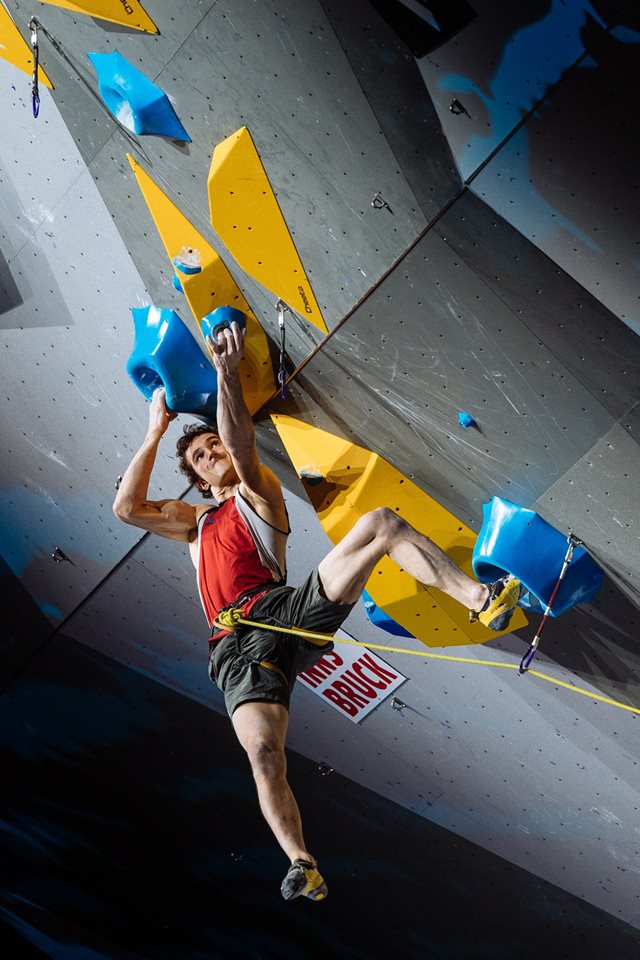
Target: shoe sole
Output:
[
  {"x": 313, "y": 889},
  {"x": 500, "y": 611}
]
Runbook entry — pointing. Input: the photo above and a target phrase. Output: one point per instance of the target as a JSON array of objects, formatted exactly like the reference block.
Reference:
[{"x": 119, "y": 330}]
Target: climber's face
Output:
[{"x": 211, "y": 462}]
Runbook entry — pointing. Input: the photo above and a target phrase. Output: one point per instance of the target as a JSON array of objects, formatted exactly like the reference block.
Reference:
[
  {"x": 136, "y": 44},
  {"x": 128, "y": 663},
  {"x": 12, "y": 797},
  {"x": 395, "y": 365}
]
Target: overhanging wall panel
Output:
[
  {"x": 568, "y": 180},
  {"x": 599, "y": 496},
  {"x": 70, "y": 416},
  {"x": 432, "y": 340},
  {"x": 281, "y": 72},
  {"x": 29, "y": 192},
  {"x": 393, "y": 85},
  {"x": 598, "y": 348},
  {"x": 71, "y": 72},
  {"x": 503, "y": 63}
]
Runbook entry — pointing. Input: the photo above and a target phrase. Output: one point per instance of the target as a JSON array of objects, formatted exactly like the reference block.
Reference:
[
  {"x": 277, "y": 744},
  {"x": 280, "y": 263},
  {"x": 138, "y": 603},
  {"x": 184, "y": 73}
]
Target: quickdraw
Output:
[
  {"x": 33, "y": 25},
  {"x": 282, "y": 307},
  {"x": 531, "y": 652}
]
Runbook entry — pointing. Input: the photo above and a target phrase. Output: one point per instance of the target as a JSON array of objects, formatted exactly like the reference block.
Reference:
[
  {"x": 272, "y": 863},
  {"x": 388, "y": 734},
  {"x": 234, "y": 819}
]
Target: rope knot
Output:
[{"x": 229, "y": 618}]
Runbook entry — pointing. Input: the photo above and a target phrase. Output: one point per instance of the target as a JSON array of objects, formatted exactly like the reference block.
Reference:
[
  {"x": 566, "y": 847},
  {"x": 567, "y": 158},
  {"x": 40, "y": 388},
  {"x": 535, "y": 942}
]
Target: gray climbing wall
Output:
[{"x": 463, "y": 292}]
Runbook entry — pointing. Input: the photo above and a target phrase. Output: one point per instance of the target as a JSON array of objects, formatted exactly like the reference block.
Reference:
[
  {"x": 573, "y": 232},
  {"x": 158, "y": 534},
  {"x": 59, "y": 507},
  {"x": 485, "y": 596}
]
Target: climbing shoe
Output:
[
  {"x": 303, "y": 880},
  {"x": 500, "y": 604}
]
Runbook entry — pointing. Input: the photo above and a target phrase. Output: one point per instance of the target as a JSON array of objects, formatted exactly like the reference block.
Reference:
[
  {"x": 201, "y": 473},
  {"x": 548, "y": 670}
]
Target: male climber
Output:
[{"x": 238, "y": 549}]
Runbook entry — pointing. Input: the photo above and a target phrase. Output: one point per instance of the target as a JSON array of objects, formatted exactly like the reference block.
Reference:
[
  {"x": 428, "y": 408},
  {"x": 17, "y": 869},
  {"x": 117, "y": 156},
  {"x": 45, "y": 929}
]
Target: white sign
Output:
[{"x": 352, "y": 679}]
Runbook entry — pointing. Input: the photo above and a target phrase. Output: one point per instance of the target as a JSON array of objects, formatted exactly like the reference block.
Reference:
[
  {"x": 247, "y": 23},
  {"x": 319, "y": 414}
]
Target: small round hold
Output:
[
  {"x": 188, "y": 261},
  {"x": 466, "y": 420}
]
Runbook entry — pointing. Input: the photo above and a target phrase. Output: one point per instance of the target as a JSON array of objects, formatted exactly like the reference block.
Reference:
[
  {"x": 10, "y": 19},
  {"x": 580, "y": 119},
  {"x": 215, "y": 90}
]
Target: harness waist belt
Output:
[{"x": 244, "y": 604}]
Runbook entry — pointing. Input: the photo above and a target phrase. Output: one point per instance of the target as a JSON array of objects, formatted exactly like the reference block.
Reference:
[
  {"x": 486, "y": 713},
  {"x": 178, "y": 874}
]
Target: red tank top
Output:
[{"x": 229, "y": 565}]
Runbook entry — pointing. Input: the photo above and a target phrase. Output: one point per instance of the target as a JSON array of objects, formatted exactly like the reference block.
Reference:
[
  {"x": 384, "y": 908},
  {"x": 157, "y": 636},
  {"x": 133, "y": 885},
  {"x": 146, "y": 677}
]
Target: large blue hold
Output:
[
  {"x": 518, "y": 541},
  {"x": 136, "y": 102},
  {"x": 166, "y": 354}
]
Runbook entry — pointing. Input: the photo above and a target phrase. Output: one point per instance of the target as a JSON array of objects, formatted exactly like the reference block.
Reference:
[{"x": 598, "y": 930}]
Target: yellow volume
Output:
[
  {"x": 246, "y": 216},
  {"x": 347, "y": 481},
  {"x": 126, "y": 12}
]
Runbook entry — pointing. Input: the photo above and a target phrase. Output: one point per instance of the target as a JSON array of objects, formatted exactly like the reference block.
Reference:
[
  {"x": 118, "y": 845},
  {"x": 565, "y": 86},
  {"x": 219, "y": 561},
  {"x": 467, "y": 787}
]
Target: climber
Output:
[{"x": 238, "y": 548}]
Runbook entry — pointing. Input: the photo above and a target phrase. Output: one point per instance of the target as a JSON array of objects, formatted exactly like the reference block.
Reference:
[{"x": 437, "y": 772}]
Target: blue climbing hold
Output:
[
  {"x": 221, "y": 318},
  {"x": 135, "y": 102},
  {"x": 380, "y": 619},
  {"x": 188, "y": 263},
  {"x": 466, "y": 420},
  {"x": 515, "y": 540},
  {"x": 166, "y": 354}
]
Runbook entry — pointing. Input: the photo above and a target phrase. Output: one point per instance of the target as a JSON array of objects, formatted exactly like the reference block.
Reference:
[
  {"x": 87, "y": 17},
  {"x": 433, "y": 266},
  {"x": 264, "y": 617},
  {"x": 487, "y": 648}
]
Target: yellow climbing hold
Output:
[
  {"x": 15, "y": 49},
  {"x": 345, "y": 481},
  {"x": 127, "y": 12},
  {"x": 212, "y": 287},
  {"x": 246, "y": 216}
]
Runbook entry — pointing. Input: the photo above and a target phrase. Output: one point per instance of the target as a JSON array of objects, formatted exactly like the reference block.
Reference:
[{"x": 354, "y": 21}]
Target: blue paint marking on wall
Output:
[
  {"x": 20, "y": 548},
  {"x": 177, "y": 669},
  {"x": 51, "y": 611},
  {"x": 521, "y": 79},
  {"x": 523, "y": 76}
]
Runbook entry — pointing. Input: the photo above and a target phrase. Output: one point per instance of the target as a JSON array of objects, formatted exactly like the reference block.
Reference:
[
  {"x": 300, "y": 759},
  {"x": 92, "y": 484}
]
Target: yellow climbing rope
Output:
[{"x": 228, "y": 619}]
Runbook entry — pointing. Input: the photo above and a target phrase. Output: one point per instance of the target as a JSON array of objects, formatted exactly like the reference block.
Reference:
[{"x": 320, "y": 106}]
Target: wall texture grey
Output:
[{"x": 443, "y": 300}]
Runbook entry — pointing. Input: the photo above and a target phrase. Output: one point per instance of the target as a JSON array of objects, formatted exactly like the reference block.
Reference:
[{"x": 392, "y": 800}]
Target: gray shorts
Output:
[{"x": 237, "y": 662}]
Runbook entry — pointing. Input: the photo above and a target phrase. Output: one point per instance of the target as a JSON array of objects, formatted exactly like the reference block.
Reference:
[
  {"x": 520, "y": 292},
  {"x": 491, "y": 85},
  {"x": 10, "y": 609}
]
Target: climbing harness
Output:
[
  {"x": 33, "y": 25},
  {"x": 282, "y": 307},
  {"x": 231, "y": 618},
  {"x": 573, "y": 542},
  {"x": 228, "y": 620},
  {"x": 237, "y": 607}
]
